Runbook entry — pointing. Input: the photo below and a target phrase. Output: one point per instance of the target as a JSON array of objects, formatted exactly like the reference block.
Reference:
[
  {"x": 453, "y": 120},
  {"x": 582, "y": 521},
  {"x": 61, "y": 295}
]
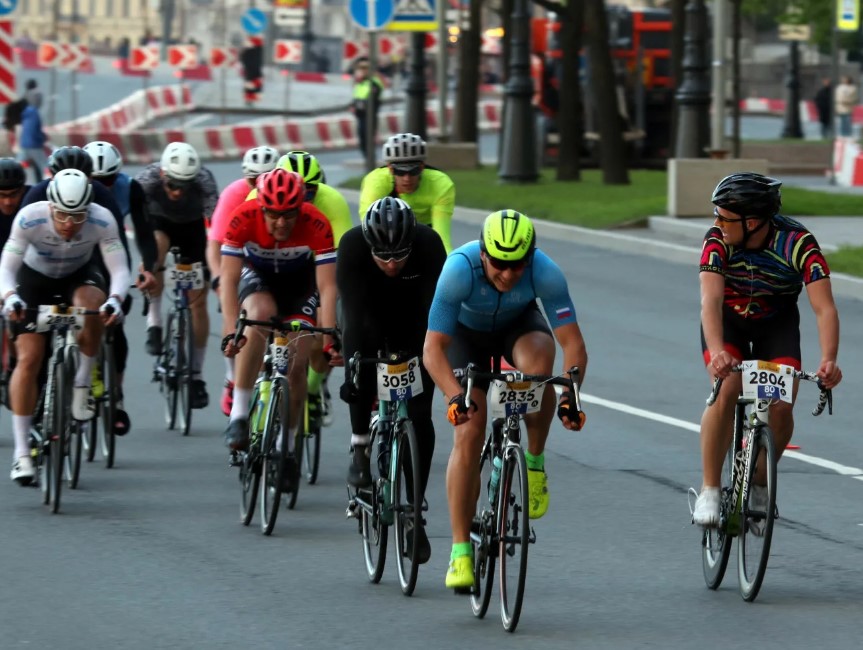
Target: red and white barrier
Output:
[{"x": 847, "y": 162}]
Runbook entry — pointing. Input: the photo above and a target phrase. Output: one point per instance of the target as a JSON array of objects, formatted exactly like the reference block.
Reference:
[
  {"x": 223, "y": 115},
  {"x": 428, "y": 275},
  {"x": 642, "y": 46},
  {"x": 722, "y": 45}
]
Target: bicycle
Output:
[
  {"x": 173, "y": 367},
  {"x": 262, "y": 466},
  {"x": 764, "y": 382},
  {"x": 501, "y": 529},
  {"x": 395, "y": 491}
]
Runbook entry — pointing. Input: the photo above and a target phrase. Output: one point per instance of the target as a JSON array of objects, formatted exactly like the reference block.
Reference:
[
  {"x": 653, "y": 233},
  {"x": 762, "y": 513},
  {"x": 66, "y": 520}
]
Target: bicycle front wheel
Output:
[
  {"x": 514, "y": 532},
  {"x": 753, "y": 547},
  {"x": 407, "y": 500},
  {"x": 716, "y": 542},
  {"x": 168, "y": 372},
  {"x": 61, "y": 398},
  {"x": 250, "y": 465},
  {"x": 482, "y": 538},
  {"x": 312, "y": 447},
  {"x": 108, "y": 404},
  {"x": 274, "y": 453},
  {"x": 373, "y": 529},
  {"x": 184, "y": 354}
]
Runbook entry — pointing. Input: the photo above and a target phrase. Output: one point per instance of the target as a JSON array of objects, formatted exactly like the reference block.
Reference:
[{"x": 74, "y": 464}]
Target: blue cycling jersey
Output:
[{"x": 465, "y": 296}]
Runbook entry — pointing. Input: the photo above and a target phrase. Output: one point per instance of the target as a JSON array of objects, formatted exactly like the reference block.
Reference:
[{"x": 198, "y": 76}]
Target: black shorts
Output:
[
  {"x": 190, "y": 237},
  {"x": 473, "y": 346},
  {"x": 38, "y": 289},
  {"x": 774, "y": 339},
  {"x": 290, "y": 303}
]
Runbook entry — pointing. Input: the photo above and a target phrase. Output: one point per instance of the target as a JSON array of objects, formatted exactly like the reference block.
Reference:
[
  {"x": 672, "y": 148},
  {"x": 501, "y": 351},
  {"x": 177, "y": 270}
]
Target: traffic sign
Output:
[
  {"x": 183, "y": 56},
  {"x": 848, "y": 15},
  {"x": 7, "y": 7},
  {"x": 223, "y": 57},
  {"x": 144, "y": 58},
  {"x": 254, "y": 21},
  {"x": 290, "y": 13},
  {"x": 372, "y": 15},
  {"x": 48, "y": 54},
  {"x": 288, "y": 51},
  {"x": 414, "y": 16},
  {"x": 788, "y": 32}
]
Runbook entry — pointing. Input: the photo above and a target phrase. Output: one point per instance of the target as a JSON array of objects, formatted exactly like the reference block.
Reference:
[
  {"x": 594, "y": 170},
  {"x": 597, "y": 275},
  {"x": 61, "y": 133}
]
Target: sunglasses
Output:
[
  {"x": 416, "y": 170},
  {"x": 394, "y": 256},
  {"x": 76, "y": 218},
  {"x": 275, "y": 215},
  {"x": 503, "y": 265},
  {"x": 175, "y": 186},
  {"x": 722, "y": 219}
]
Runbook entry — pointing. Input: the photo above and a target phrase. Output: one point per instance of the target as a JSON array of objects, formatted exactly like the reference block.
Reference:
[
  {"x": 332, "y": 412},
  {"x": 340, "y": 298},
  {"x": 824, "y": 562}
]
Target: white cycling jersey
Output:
[{"x": 35, "y": 242}]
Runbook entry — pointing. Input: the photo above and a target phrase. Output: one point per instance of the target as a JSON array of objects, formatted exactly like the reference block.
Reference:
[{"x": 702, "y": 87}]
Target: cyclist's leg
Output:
[
  {"x": 192, "y": 241},
  {"x": 420, "y": 412},
  {"x": 304, "y": 308},
  {"x": 319, "y": 369},
  {"x": 90, "y": 294},
  {"x": 154, "y": 312}
]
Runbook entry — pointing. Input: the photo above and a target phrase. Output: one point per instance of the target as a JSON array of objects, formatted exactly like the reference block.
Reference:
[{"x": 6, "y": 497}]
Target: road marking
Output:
[{"x": 844, "y": 470}]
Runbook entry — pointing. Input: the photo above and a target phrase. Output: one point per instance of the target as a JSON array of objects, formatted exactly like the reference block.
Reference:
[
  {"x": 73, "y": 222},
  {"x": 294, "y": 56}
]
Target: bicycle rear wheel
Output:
[
  {"x": 167, "y": 372},
  {"x": 753, "y": 547},
  {"x": 716, "y": 542},
  {"x": 373, "y": 529},
  {"x": 514, "y": 532},
  {"x": 108, "y": 403},
  {"x": 312, "y": 447},
  {"x": 185, "y": 350},
  {"x": 407, "y": 498},
  {"x": 274, "y": 452}
]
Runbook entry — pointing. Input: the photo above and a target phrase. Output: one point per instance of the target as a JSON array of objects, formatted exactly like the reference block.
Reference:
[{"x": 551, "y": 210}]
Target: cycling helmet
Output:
[
  {"x": 508, "y": 236},
  {"x": 749, "y": 195},
  {"x": 259, "y": 160},
  {"x": 180, "y": 162},
  {"x": 70, "y": 158},
  {"x": 404, "y": 147},
  {"x": 107, "y": 160},
  {"x": 11, "y": 174},
  {"x": 305, "y": 164},
  {"x": 70, "y": 190},
  {"x": 389, "y": 225},
  {"x": 280, "y": 190}
]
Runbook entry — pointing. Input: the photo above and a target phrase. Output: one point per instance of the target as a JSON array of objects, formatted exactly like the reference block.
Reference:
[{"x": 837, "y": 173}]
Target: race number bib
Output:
[
  {"x": 185, "y": 277},
  {"x": 51, "y": 316},
  {"x": 515, "y": 398},
  {"x": 281, "y": 355},
  {"x": 400, "y": 381},
  {"x": 767, "y": 380}
]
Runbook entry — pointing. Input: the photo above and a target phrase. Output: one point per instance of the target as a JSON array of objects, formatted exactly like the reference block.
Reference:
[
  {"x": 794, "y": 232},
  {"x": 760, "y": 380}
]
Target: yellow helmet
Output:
[{"x": 508, "y": 236}]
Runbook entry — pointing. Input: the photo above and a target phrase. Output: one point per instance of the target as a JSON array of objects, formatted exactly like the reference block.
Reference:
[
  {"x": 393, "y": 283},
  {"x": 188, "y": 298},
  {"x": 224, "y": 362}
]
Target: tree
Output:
[
  {"x": 817, "y": 13},
  {"x": 467, "y": 98}
]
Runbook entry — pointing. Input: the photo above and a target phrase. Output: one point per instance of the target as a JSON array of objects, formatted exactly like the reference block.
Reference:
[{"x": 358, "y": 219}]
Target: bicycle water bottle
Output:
[
  {"x": 262, "y": 405},
  {"x": 494, "y": 479}
]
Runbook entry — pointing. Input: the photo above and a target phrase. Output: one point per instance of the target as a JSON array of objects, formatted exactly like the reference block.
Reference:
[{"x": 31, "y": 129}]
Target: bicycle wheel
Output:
[
  {"x": 753, "y": 547},
  {"x": 108, "y": 403},
  {"x": 482, "y": 539},
  {"x": 716, "y": 542},
  {"x": 408, "y": 504},
  {"x": 298, "y": 459},
  {"x": 43, "y": 456},
  {"x": 373, "y": 529},
  {"x": 311, "y": 448},
  {"x": 250, "y": 466},
  {"x": 514, "y": 532},
  {"x": 274, "y": 452},
  {"x": 62, "y": 397},
  {"x": 167, "y": 372},
  {"x": 185, "y": 347}
]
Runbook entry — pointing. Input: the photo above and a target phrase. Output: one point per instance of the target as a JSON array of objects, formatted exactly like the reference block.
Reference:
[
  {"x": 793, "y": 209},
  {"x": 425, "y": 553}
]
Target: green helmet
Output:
[
  {"x": 508, "y": 236},
  {"x": 305, "y": 164}
]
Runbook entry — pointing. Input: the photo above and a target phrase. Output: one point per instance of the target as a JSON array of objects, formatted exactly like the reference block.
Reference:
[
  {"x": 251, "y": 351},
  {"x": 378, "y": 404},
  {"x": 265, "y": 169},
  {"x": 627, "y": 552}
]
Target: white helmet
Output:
[
  {"x": 404, "y": 147},
  {"x": 259, "y": 160},
  {"x": 70, "y": 190},
  {"x": 107, "y": 160},
  {"x": 180, "y": 162}
]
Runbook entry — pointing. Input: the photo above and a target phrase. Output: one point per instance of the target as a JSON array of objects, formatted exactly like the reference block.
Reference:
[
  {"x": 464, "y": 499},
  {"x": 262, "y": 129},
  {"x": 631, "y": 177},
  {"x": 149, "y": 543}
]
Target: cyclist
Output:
[
  {"x": 485, "y": 307},
  {"x": 429, "y": 192},
  {"x": 754, "y": 264},
  {"x": 180, "y": 195},
  {"x": 386, "y": 273},
  {"x": 13, "y": 187},
  {"x": 256, "y": 161},
  {"x": 276, "y": 251},
  {"x": 49, "y": 254},
  {"x": 129, "y": 195}
]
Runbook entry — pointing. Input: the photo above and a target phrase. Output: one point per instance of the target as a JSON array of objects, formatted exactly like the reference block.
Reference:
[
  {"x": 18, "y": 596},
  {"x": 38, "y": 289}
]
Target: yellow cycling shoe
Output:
[
  {"x": 460, "y": 573},
  {"x": 537, "y": 487}
]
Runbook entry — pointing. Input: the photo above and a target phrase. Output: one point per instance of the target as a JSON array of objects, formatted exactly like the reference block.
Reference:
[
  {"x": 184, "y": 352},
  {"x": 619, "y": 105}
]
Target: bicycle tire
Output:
[
  {"x": 108, "y": 404},
  {"x": 43, "y": 456},
  {"x": 484, "y": 550},
  {"x": 62, "y": 396},
  {"x": 250, "y": 465},
  {"x": 185, "y": 357},
  {"x": 753, "y": 550},
  {"x": 716, "y": 542},
  {"x": 514, "y": 534},
  {"x": 408, "y": 512},
  {"x": 298, "y": 456},
  {"x": 73, "y": 446},
  {"x": 311, "y": 448},
  {"x": 91, "y": 435},
  {"x": 273, "y": 455},
  {"x": 373, "y": 531},
  {"x": 168, "y": 374}
]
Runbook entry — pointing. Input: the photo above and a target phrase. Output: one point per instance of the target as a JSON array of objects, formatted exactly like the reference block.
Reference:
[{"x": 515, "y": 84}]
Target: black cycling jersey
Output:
[{"x": 6, "y": 222}]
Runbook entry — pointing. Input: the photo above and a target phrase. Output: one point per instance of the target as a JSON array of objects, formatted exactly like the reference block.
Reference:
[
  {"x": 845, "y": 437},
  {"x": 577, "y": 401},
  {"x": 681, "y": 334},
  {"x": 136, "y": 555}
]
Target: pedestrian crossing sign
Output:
[{"x": 414, "y": 16}]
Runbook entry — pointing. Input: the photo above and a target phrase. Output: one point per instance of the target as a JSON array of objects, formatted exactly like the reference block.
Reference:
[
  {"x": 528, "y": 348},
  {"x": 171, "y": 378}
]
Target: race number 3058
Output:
[{"x": 399, "y": 381}]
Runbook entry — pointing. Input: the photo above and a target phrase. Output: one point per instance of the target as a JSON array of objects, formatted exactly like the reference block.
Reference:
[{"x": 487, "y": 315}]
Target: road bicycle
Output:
[
  {"x": 105, "y": 392},
  {"x": 394, "y": 498},
  {"x": 752, "y": 446},
  {"x": 500, "y": 531},
  {"x": 268, "y": 457}
]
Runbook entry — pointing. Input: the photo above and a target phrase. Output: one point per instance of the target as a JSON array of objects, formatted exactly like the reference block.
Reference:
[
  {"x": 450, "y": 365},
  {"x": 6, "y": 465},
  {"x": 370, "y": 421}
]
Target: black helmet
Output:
[
  {"x": 11, "y": 174},
  {"x": 749, "y": 195},
  {"x": 70, "y": 158},
  {"x": 389, "y": 226}
]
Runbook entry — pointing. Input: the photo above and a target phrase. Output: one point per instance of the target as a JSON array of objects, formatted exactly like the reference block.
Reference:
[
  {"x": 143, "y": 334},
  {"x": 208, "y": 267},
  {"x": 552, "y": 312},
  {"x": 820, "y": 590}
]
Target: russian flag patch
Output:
[{"x": 564, "y": 313}]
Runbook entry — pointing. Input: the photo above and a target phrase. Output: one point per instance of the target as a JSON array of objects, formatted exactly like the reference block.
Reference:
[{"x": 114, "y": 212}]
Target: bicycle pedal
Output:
[
  {"x": 464, "y": 591},
  {"x": 531, "y": 538},
  {"x": 234, "y": 460},
  {"x": 352, "y": 510}
]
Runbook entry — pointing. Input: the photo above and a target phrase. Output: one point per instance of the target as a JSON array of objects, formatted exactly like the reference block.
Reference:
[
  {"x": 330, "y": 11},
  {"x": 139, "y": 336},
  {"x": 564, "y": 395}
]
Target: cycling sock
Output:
[
  {"x": 240, "y": 407},
  {"x": 84, "y": 374},
  {"x": 21, "y": 429},
  {"x": 315, "y": 380},
  {"x": 229, "y": 368},
  {"x": 154, "y": 313},
  {"x": 461, "y": 549},
  {"x": 198, "y": 359},
  {"x": 359, "y": 440},
  {"x": 536, "y": 463}
]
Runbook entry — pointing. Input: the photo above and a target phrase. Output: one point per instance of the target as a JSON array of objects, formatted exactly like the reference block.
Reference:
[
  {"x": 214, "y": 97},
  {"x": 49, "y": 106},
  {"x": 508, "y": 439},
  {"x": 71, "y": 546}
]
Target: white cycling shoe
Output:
[{"x": 83, "y": 408}]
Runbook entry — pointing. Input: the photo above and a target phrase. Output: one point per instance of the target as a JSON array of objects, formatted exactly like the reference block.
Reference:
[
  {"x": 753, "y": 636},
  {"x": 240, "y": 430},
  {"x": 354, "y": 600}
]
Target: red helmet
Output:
[{"x": 280, "y": 190}]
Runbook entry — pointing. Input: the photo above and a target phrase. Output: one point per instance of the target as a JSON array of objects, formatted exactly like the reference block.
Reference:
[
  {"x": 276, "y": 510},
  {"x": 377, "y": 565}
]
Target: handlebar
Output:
[
  {"x": 567, "y": 380},
  {"x": 358, "y": 360},
  {"x": 281, "y": 325},
  {"x": 825, "y": 397}
]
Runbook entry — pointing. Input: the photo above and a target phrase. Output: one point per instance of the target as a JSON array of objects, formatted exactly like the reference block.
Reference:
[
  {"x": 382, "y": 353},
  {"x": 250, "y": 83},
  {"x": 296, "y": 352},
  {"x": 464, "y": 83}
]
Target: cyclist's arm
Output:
[
  {"x": 209, "y": 191},
  {"x": 574, "y": 350},
  {"x": 337, "y": 211},
  {"x": 712, "y": 296},
  {"x": 441, "y": 215},
  {"x": 353, "y": 289},
  {"x": 214, "y": 260},
  {"x": 11, "y": 260},
  {"x": 325, "y": 276},
  {"x": 827, "y": 318},
  {"x": 144, "y": 238},
  {"x": 232, "y": 266},
  {"x": 116, "y": 261},
  {"x": 437, "y": 364}
]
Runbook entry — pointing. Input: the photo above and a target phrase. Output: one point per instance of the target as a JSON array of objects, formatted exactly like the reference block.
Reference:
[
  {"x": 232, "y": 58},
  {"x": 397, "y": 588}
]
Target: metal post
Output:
[
  {"x": 308, "y": 38},
  {"x": 834, "y": 74},
  {"x": 372, "y": 106},
  {"x": 223, "y": 79},
  {"x": 737, "y": 20},
  {"x": 167, "y": 7},
  {"x": 518, "y": 160},
  {"x": 416, "y": 87},
  {"x": 693, "y": 95},
  {"x": 442, "y": 64},
  {"x": 791, "y": 128},
  {"x": 720, "y": 36}
]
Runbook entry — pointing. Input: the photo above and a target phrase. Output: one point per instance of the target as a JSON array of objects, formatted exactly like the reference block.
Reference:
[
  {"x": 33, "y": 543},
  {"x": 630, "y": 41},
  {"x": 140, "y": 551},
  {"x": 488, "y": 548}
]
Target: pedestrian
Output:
[
  {"x": 31, "y": 143},
  {"x": 252, "y": 60},
  {"x": 366, "y": 99},
  {"x": 846, "y": 100},
  {"x": 824, "y": 106}
]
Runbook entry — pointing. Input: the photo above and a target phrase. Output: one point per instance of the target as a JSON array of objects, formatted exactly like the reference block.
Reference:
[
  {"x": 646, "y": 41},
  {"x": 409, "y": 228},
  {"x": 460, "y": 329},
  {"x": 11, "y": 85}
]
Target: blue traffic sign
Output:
[
  {"x": 372, "y": 14},
  {"x": 254, "y": 21},
  {"x": 7, "y": 6}
]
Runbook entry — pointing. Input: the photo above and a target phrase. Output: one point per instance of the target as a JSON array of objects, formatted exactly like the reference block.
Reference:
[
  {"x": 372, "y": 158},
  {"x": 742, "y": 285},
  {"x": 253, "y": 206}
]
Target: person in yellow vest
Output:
[{"x": 366, "y": 86}]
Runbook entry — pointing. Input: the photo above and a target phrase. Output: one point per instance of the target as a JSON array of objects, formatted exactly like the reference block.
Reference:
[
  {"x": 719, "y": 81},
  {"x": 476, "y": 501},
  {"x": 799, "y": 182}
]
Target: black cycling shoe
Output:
[
  {"x": 237, "y": 434},
  {"x": 424, "y": 550},
  {"x": 200, "y": 398},
  {"x": 360, "y": 473},
  {"x": 315, "y": 412},
  {"x": 290, "y": 474},
  {"x": 154, "y": 341}
]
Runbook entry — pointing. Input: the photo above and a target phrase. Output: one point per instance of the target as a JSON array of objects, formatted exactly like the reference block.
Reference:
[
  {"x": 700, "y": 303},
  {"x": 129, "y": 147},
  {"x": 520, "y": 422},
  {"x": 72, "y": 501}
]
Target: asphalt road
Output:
[{"x": 151, "y": 554}]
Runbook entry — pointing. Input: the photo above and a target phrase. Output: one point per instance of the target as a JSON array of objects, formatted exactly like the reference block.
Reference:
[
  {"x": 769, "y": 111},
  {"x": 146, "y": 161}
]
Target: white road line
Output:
[{"x": 844, "y": 470}]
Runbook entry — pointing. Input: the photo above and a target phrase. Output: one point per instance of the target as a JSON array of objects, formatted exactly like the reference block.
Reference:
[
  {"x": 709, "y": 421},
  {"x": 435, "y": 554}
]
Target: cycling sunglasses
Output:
[
  {"x": 77, "y": 218},
  {"x": 722, "y": 219},
  {"x": 391, "y": 256},
  {"x": 412, "y": 170},
  {"x": 287, "y": 215},
  {"x": 176, "y": 185},
  {"x": 503, "y": 265}
]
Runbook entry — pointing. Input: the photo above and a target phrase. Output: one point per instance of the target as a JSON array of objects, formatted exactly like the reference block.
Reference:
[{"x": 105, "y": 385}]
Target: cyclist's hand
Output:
[
  {"x": 720, "y": 364},
  {"x": 112, "y": 311},
  {"x": 333, "y": 355},
  {"x": 829, "y": 373},
  {"x": 229, "y": 349},
  {"x": 569, "y": 415},
  {"x": 457, "y": 413},
  {"x": 146, "y": 281},
  {"x": 13, "y": 306},
  {"x": 349, "y": 393},
  {"x": 214, "y": 285}
]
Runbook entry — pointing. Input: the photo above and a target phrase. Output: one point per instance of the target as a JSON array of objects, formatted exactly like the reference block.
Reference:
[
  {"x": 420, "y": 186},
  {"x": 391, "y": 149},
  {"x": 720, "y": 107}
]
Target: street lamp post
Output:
[
  {"x": 791, "y": 128},
  {"x": 416, "y": 87},
  {"x": 693, "y": 95}
]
